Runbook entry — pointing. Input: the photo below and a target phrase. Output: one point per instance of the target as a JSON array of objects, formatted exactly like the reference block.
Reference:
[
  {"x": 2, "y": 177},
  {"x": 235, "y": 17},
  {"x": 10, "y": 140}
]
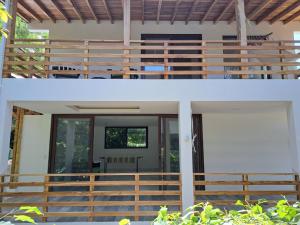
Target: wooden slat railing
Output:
[
  {"x": 145, "y": 59},
  {"x": 226, "y": 188},
  {"x": 93, "y": 196}
]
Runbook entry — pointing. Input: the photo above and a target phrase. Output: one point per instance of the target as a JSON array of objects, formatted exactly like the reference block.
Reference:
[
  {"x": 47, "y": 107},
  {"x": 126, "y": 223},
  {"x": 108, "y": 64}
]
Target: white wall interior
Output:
[{"x": 150, "y": 155}]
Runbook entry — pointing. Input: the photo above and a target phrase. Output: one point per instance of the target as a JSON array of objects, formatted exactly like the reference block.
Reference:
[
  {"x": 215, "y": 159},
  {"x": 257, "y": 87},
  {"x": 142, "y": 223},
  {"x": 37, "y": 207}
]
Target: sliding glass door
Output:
[{"x": 72, "y": 144}]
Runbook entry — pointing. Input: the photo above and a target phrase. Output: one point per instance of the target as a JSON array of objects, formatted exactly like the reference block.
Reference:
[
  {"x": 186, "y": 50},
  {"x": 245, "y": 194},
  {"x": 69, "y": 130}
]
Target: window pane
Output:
[
  {"x": 72, "y": 145},
  {"x": 137, "y": 137},
  {"x": 115, "y": 137}
]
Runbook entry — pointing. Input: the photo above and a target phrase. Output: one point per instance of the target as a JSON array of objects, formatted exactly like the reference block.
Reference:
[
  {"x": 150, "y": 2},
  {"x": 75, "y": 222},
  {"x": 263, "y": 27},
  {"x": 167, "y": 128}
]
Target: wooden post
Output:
[
  {"x": 204, "y": 68},
  {"x": 91, "y": 197},
  {"x": 46, "y": 191},
  {"x": 241, "y": 30},
  {"x": 166, "y": 60},
  {"x": 126, "y": 25},
  {"x": 12, "y": 30},
  {"x": 17, "y": 144},
  {"x": 1, "y": 190},
  {"x": 245, "y": 186},
  {"x": 47, "y": 58},
  {"x": 136, "y": 196},
  {"x": 180, "y": 192},
  {"x": 283, "y": 76},
  {"x": 86, "y": 60},
  {"x": 297, "y": 186}
]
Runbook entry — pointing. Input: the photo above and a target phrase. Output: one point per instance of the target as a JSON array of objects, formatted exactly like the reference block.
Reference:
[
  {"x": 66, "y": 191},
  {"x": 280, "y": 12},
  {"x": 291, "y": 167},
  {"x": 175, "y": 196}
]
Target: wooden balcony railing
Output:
[
  {"x": 223, "y": 189},
  {"x": 93, "y": 197},
  {"x": 96, "y": 59}
]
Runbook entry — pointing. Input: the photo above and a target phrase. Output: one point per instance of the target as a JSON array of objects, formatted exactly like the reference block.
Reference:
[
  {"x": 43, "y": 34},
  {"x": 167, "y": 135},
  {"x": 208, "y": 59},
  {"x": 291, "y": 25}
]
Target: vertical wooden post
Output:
[
  {"x": 86, "y": 60},
  {"x": 245, "y": 179},
  {"x": 47, "y": 58},
  {"x": 297, "y": 186},
  {"x": 180, "y": 192},
  {"x": 91, "y": 197},
  {"x": 17, "y": 144},
  {"x": 136, "y": 197},
  {"x": 166, "y": 60},
  {"x": 46, "y": 199},
  {"x": 126, "y": 25},
  {"x": 1, "y": 190},
  {"x": 204, "y": 68},
  {"x": 283, "y": 76},
  {"x": 241, "y": 30},
  {"x": 12, "y": 30}
]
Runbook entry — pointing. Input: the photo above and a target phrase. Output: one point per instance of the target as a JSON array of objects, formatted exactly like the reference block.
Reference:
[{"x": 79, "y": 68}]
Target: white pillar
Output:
[
  {"x": 126, "y": 21},
  {"x": 186, "y": 153},
  {"x": 293, "y": 116},
  {"x": 5, "y": 129}
]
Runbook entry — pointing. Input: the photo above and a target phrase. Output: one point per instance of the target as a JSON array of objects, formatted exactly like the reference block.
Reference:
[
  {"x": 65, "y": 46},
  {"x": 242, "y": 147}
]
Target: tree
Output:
[{"x": 4, "y": 16}]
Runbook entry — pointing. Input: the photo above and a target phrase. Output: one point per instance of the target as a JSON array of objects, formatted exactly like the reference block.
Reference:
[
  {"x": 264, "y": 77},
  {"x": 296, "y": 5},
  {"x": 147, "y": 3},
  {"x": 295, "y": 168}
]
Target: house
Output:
[{"x": 134, "y": 104}]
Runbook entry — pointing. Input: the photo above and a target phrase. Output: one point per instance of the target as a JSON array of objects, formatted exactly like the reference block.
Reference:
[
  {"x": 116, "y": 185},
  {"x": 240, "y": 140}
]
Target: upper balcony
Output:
[
  {"x": 155, "y": 40},
  {"x": 152, "y": 59}
]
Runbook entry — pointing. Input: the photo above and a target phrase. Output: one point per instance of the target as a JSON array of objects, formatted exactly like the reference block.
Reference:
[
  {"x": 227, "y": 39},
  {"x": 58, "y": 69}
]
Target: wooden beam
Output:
[
  {"x": 259, "y": 9},
  {"x": 230, "y": 5},
  {"x": 285, "y": 12},
  {"x": 91, "y": 8},
  {"x": 108, "y": 12},
  {"x": 190, "y": 13},
  {"x": 60, "y": 9},
  {"x": 30, "y": 11},
  {"x": 158, "y": 11},
  {"x": 175, "y": 11},
  {"x": 214, "y": 2},
  {"x": 143, "y": 11},
  {"x": 77, "y": 11},
  {"x": 44, "y": 9},
  {"x": 292, "y": 17},
  {"x": 24, "y": 16},
  {"x": 268, "y": 12}
]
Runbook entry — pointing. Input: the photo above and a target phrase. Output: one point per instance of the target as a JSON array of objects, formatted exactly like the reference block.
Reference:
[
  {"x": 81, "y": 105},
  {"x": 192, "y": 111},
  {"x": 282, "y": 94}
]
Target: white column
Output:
[
  {"x": 293, "y": 116},
  {"x": 5, "y": 129},
  {"x": 186, "y": 153},
  {"x": 126, "y": 21}
]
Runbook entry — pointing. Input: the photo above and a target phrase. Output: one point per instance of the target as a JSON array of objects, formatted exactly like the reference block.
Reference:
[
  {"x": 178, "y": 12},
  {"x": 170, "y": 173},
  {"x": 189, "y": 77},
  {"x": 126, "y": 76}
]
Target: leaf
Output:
[
  {"x": 24, "y": 218},
  {"x": 239, "y": 202},
  {"x": 30, "y": 209},
  {"x": 124, "y": 222}
]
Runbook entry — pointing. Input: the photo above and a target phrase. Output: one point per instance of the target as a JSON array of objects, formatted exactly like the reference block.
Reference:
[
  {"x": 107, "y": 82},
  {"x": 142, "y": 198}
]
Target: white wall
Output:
[
  {"x": 107, "y": 31},
  {"x": 246, "y": 142},
  {"x": 34, "y": 149},
  {"x": 35, "y": 144},
  {"x": 150, "y": 160}
]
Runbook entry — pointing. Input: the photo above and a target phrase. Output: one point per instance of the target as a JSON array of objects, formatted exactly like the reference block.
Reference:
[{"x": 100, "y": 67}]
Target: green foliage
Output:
[
  {"x": 20, "y": 215},
  {"x": 249, "y": 214},
  {"x": 23, "y": 32},
  {"x": 4, "y": 16}
]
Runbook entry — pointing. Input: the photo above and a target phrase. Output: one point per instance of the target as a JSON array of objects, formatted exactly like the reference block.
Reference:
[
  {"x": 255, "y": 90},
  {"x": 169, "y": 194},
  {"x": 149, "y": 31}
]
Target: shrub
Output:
[{"x": 249, "y": 214}]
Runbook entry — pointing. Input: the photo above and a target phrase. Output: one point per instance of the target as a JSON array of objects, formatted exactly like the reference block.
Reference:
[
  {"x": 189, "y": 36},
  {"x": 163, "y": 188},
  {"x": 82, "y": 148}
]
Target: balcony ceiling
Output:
[{"x": 158, "y": 10}]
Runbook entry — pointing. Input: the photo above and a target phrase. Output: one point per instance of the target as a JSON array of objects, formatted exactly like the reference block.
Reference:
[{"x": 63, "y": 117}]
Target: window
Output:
[{"x": 126, "y": 137}]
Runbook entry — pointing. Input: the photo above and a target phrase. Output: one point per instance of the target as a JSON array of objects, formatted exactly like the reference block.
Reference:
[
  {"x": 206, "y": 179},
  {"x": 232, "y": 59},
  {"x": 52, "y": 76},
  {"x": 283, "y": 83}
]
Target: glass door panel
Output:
[
  {"x": 72, "y": 145},
  {"x": 170, "y": 144}
]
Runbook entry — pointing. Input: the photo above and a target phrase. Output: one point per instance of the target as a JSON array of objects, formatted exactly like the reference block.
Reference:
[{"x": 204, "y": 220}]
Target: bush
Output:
[{"x": 251, "y": 214}]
